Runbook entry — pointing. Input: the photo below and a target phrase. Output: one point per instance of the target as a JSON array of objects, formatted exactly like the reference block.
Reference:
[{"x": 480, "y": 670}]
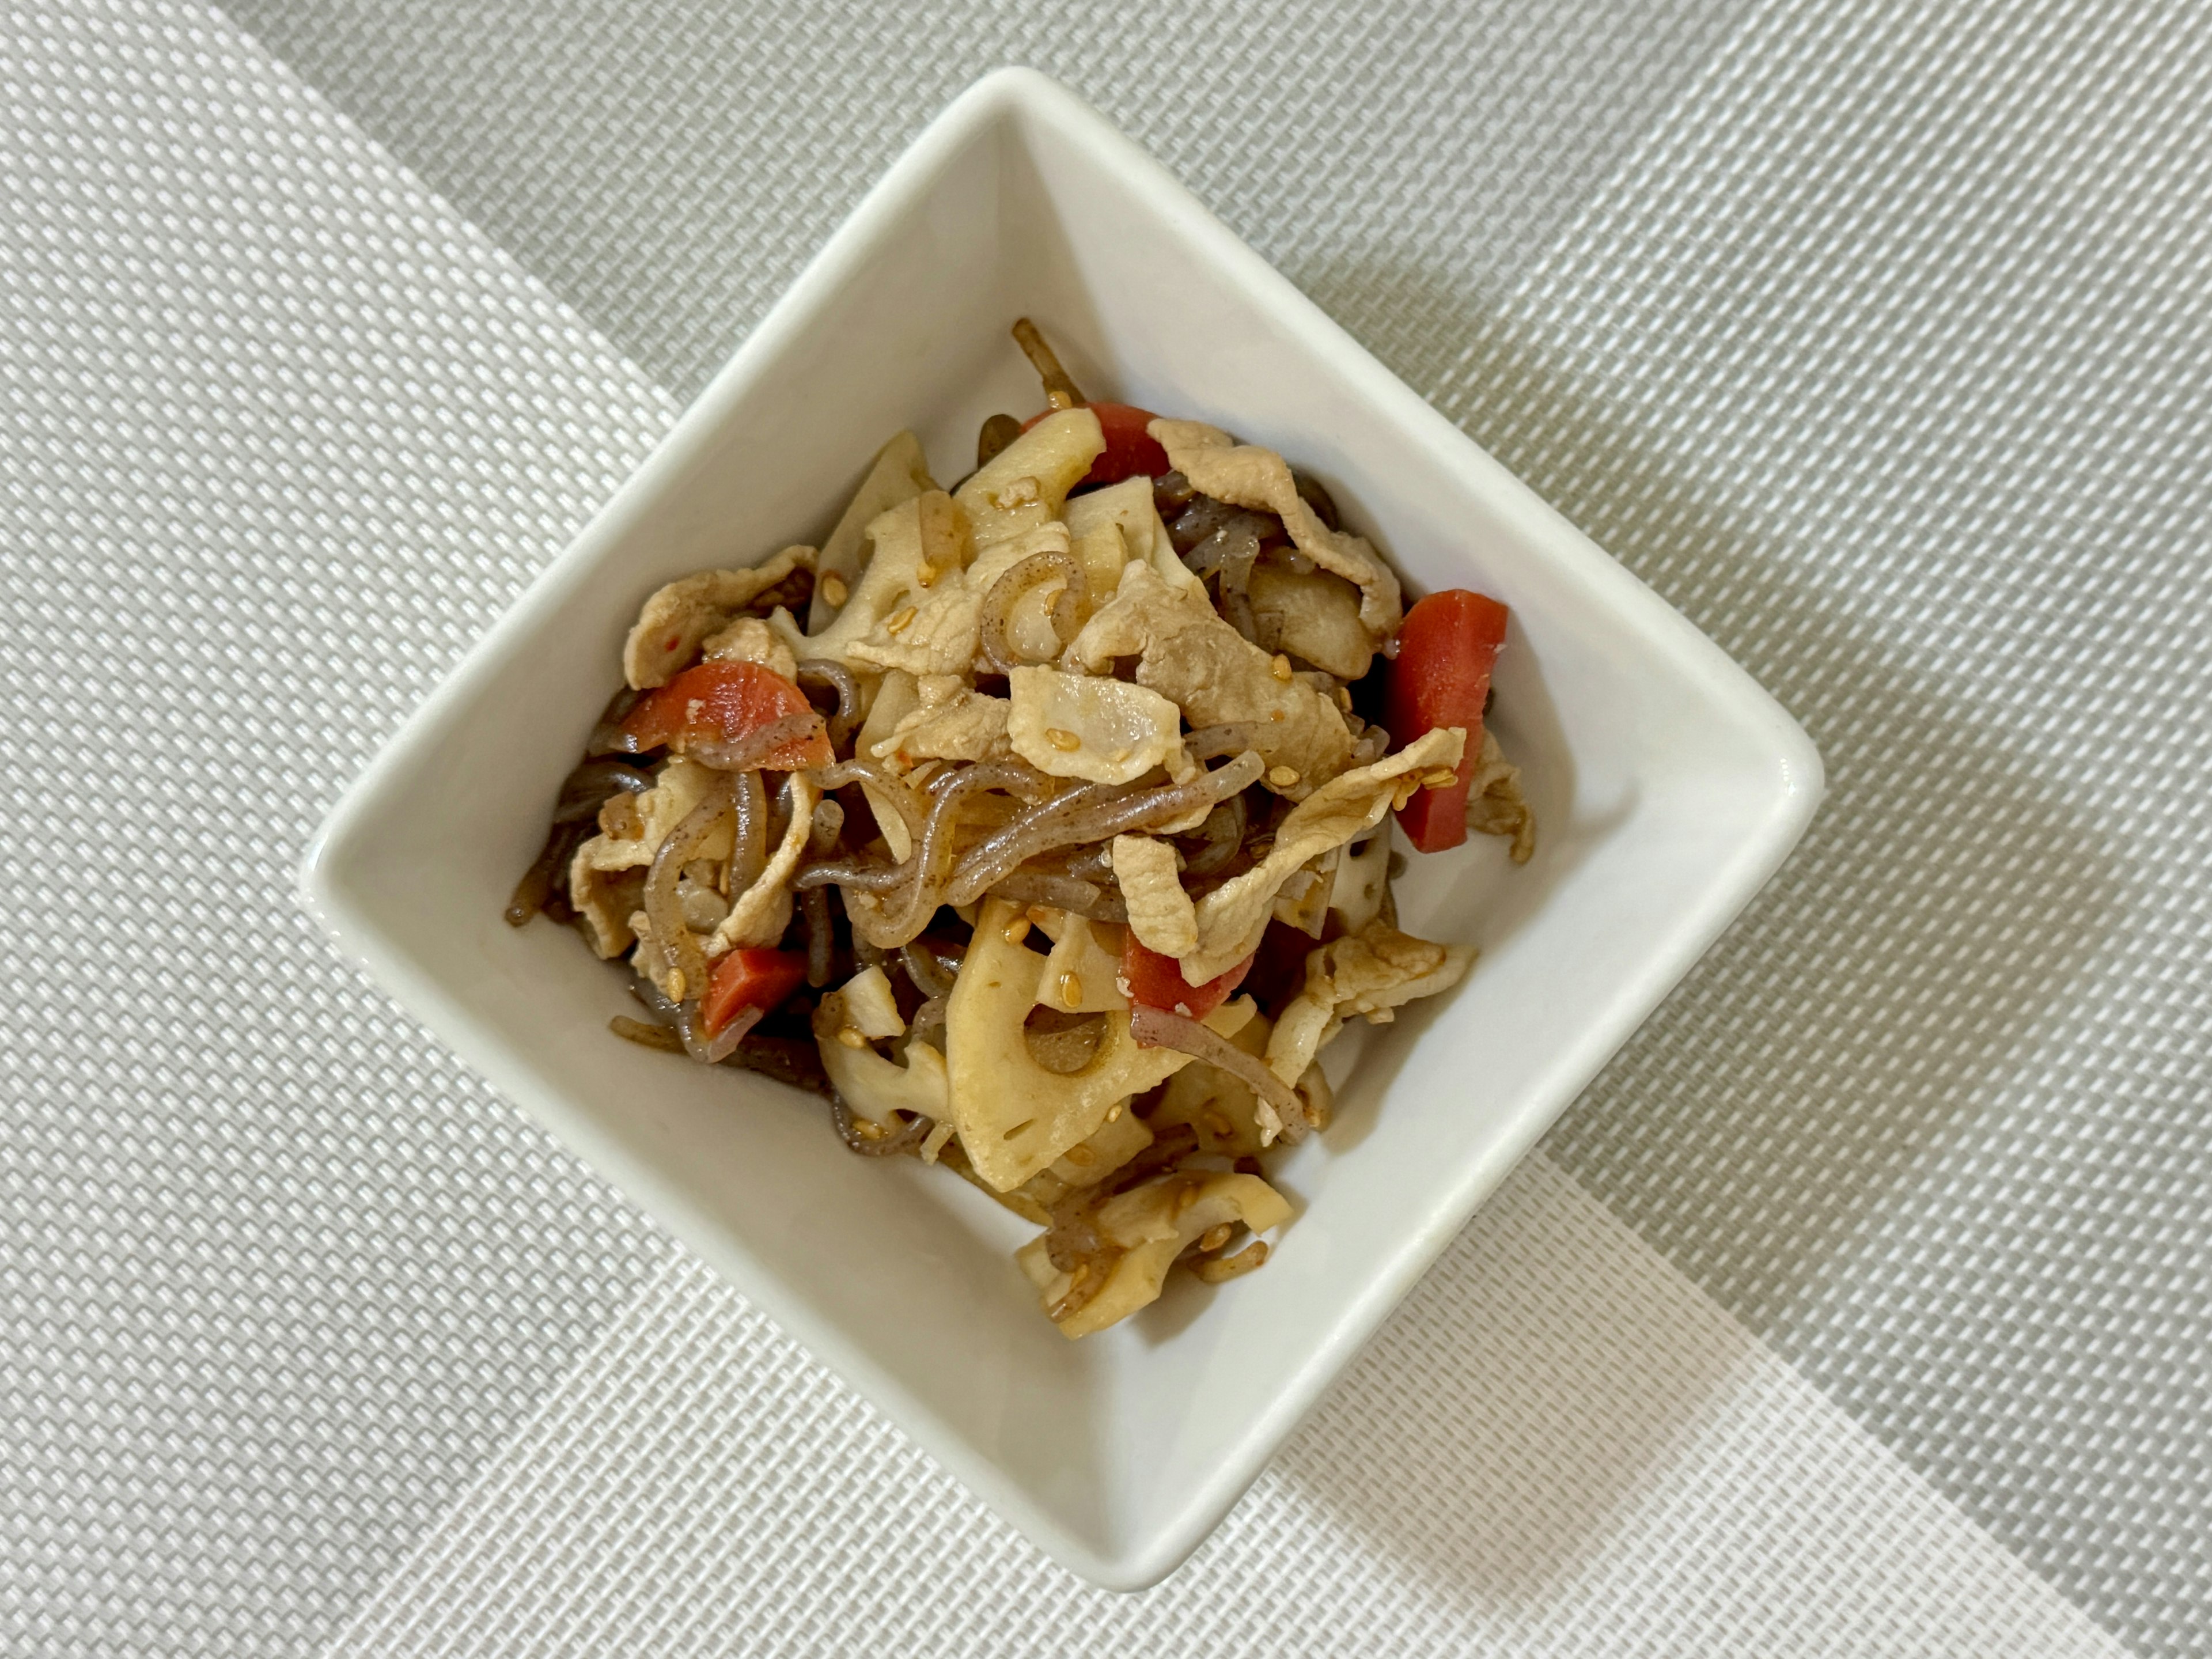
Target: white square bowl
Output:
[{"x": 1668, "y": 788}]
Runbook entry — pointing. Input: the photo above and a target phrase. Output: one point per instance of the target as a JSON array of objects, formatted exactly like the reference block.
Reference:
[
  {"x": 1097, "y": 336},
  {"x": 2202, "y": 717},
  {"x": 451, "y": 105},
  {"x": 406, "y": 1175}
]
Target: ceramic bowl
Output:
[{"x": 1667, "y": 785}]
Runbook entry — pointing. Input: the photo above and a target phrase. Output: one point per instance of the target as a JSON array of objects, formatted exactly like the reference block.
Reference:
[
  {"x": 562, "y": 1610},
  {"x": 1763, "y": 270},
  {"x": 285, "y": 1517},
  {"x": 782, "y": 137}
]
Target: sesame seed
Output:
[
  {"x": 1343, "y": 698},
  {"x": 1187, "y": 1197},
  {"x": 1115, "y": 1116},
  {"x": 1016, "y": 931},
  {"x": 1280, "y": 668},
  {"x": 1071, "y": 989},
  {"x": 1283, "y": 777},
  {"x": 851, "y": 1038},
  {"x": 833, "y": 589},
  {"x": 1062, "y": 739},
  {"x": 1215, "y": 1238},
  {"x": 898, "y": 623},
  {"x": 677, "y": 985},
  {"x": 927, "y": 574}
]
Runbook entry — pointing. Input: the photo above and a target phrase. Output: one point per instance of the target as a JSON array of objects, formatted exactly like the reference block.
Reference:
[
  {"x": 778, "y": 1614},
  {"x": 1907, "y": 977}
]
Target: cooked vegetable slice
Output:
[
  {"x": 1129, "y": 507},
  {"x": 1083, "y": 974},
  {"x": 749, "y": 979},
  {"x": 898, "y": 474},
  {"x": 1361, "y": 883},
  {"x": 891, "y": 579},
  {"x": 1157, "y": 981},
  {"x": 1150, "y": 1225},
  {"x": 1131, "y": 450},
  {"x": 726, "y": 702},
  {"x": 1014, "y": 1116},
  {"x": 1026, "y": 484},
  {"x": 1441, "y": 678},
  {"x": 870, "y": 1007},
  {"x": 1219, "y": 1107},
  {"x": 874, "y": 1088}
]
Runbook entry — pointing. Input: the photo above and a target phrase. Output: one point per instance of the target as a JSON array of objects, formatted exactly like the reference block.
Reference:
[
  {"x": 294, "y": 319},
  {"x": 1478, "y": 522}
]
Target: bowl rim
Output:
[{"x": 1018, "y": 94}]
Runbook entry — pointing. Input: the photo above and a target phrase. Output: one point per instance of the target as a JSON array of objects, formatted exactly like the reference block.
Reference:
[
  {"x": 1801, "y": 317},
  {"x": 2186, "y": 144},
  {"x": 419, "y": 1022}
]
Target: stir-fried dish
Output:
[{"x": 1042, "y": 825}]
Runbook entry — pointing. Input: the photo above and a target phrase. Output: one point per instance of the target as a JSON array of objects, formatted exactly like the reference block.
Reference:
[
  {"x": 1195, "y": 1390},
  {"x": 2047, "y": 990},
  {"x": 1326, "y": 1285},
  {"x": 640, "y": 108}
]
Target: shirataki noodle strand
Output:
[
  {"x": 1006, "y": 593},
  {"x": 746, "y": 753},
  {"x": 724, "y": 1043},
  {"x": 929, "y": 974},
  {"x": 540, "y": 881},
  {"x": 817, "y": 671},
  {"x": 1231, "y": 738},
  {"x": 1224, "y": 831},
  {"x": 1159, "y": 1028},
  {"x": 646, "y": 1033},
  {"x": 894, "y": 789},
  {"x": 820, "y": 937},
  {"x": 664, "y": 912},
  {"x": 583, "y": 793},
  {"x": 681, "y": 1017},
  {"x": 907, "y": 916},
  {"x": 1085, "y": 898},
  {"x": 748, "y": 849},
  {"x": 1079, "y": 817},
  {"x": 862, "y": 875},
  {"x": 588, "y": 788},
  {"x": 928, "y": 1024},
  {"x": 908, "y": 1140}
]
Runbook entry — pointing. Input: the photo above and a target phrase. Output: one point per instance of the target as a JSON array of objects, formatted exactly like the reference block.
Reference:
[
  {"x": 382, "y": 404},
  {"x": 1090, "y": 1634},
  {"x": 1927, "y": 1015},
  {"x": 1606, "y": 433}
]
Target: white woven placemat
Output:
[
  {"x": 1876, "y": 340},
  {"x": 278, "y": 436},
  {"x": 1559, "y": 1446}
]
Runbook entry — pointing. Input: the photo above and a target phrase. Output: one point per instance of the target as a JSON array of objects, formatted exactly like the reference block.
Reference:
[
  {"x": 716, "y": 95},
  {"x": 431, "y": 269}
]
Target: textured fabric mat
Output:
[
  {"x": 1875, "y": 337},
  {"x": 1558, "y": 1447},
  {"x": 277, "y": 435}
]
